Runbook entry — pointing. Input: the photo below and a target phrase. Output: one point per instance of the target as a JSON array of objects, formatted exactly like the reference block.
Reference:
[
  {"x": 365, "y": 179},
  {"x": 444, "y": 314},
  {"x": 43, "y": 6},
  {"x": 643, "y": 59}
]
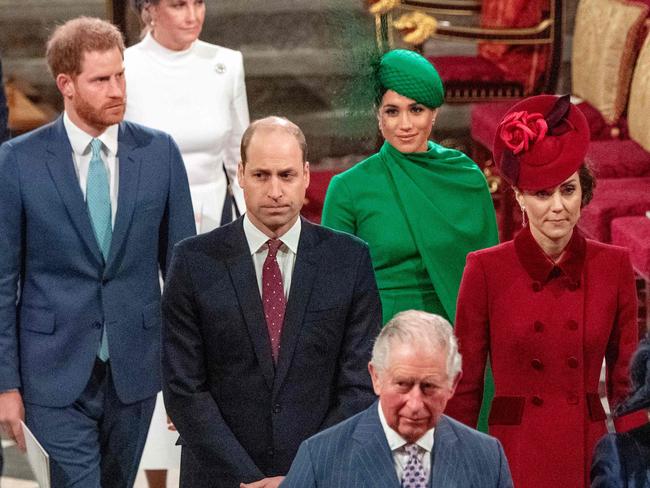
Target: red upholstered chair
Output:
[
  {"x": 604, "y": 55},
  {"x": 603, "y": 58},
  {"x": 519, "y": 43},
  {"x": 623, "y": 166},
  {"x": 613, "y": 198}
]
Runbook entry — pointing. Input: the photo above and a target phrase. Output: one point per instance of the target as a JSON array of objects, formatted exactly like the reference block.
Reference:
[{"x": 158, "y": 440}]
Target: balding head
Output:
[{"x": 272, "y": 123}]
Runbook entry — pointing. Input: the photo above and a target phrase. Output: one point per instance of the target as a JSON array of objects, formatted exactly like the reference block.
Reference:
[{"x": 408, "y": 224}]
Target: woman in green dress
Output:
[{"x": 420, "y": 207}]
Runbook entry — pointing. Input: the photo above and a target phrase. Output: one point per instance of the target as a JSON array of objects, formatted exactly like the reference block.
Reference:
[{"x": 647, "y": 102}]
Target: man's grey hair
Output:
[{"x": 421, "y": 330}]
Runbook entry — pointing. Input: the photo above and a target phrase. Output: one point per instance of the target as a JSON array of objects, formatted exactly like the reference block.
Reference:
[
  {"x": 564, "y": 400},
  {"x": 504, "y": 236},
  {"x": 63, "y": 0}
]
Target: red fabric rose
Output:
[{"x": 520, "y": 129}]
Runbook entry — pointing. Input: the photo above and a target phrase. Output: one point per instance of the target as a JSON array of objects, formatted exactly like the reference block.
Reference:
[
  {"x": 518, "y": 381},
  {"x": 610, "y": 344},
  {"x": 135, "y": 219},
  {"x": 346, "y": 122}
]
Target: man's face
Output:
[
  {"x": 414, "y": 389},
  {"x": 95, "y": 98},
  {"x": 274, "y": 180}
]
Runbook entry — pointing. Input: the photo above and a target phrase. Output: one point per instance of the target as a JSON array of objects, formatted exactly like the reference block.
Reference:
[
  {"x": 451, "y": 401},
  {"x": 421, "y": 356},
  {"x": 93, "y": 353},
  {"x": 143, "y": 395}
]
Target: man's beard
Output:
[{"x": 99, "y": 117}]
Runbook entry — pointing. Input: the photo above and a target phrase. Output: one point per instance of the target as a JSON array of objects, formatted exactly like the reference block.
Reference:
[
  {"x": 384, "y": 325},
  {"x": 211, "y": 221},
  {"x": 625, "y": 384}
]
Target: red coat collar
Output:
[{"x": 541, "y": 268}]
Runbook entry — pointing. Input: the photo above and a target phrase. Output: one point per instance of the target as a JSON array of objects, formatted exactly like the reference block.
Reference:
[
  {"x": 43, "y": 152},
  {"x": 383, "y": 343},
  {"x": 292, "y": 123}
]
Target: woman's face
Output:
[
  {"x": 553, "y": 212},
  {"x": 404, "y": 123},
  {"x": 177, "y": 23}
]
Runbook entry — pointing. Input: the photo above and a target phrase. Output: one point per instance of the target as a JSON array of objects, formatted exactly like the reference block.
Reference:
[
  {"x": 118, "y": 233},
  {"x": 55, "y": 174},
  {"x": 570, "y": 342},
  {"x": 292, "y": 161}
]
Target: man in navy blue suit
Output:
[
  {"x": 404, "y": 439},
  {"x": 268, "y": 325},
  {"x": 90, "y": 208}
]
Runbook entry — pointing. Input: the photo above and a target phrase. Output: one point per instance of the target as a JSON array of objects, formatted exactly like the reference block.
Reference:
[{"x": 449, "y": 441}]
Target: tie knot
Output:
[
  {"x": 412, "y": 450},
  {"x": 96, "y": 147},
  {"x": 274, "y": 245}
]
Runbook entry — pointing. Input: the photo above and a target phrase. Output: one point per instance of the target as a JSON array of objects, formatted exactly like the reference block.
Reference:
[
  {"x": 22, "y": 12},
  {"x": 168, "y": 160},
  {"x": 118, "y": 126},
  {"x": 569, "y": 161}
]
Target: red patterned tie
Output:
[{"x": 273, "y": 296}]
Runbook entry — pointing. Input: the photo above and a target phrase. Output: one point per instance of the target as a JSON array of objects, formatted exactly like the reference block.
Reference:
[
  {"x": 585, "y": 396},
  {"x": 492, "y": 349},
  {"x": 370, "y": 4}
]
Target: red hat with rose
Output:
[{"x": 540, "y": 142}]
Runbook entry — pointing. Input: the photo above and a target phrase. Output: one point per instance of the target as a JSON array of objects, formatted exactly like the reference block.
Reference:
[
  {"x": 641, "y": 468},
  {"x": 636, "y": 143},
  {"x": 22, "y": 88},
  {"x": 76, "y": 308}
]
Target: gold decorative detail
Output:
[
  {"x": 381, "y": 7},
  {"x": 416, "y": 27}
]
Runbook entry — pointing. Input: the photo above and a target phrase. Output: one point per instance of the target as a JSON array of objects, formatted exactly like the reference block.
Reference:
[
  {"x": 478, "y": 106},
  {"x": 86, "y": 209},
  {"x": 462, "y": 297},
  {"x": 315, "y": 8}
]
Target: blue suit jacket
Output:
[
  {"x": 622, "y": 460},
  {"x": 356, "y": 453},
  {"x": 50, "y": 260},
  {"x": 240, "y": 417}
]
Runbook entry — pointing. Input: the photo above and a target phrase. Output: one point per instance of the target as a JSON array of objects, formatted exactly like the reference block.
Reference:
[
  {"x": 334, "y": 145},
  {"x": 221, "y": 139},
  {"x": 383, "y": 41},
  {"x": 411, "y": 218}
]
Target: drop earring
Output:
[{"x": 523, "y": 216}]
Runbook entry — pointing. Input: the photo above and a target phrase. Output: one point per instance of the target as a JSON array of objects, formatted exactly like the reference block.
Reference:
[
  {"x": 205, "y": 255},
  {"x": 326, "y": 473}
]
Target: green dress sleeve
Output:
[{"x": 338, "y": 211}]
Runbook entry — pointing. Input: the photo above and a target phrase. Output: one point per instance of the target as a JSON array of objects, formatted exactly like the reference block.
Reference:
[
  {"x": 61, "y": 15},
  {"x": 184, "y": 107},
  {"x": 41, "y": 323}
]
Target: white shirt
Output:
[
  {"x": 397, "y": 443},
  {"x": 286, "y": 256},
  {"x": 81, "y": 154}
]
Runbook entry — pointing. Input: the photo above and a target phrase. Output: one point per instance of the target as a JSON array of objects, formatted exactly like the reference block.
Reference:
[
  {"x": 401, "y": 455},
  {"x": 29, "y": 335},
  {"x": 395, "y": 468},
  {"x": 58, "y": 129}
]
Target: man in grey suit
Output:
[{"x": 404, "y": 439}]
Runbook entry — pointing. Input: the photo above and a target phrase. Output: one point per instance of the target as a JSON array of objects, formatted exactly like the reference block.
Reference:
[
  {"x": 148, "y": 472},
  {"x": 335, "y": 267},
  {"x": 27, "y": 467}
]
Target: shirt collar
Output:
[
  {"x": 396, "y": 441},
  {"x": 257, "y": 239},
  {"x": 541, "y": 268},
  {"x": 80, "y": 140}
]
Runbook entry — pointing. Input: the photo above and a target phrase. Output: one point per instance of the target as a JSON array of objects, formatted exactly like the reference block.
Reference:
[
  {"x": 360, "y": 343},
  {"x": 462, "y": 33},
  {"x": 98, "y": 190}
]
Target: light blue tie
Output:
[{"x": 98, "y": 199}]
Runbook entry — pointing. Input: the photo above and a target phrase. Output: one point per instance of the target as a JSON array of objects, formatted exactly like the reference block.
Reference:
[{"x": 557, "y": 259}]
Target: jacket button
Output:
[
  {"x": 537, "y": 286},
  {"x": 277, "y": 408},
  {"x": 572, "y": 398},
  {"x": 270, "y": 451},
  {"x": 539, "y": 327},
  {"x": 572, "y": 325},
  {"x": 537, "y": 364},
  {"x": 573, "y": 286},
  {"x": 97, "y": 325},
  {"x": 537, "y": 401},
  {"x": 572, "y": 362}
]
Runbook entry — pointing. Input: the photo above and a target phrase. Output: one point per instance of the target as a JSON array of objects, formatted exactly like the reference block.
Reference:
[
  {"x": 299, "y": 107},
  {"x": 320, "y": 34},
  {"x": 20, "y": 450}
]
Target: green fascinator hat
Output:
[{"x": 411, "y": 75}]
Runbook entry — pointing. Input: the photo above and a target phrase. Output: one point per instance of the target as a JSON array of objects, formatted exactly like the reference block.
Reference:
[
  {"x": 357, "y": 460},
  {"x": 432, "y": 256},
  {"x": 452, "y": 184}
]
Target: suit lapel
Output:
[
  {"x": 445, "y": 459},
  {"x": 242, "y": 273},
  {"x": 302, "y": 281},
  {"x": 371, "y": 452},
  {"x": 62, "y": 171},
  {"x": 129, "y": 171}
]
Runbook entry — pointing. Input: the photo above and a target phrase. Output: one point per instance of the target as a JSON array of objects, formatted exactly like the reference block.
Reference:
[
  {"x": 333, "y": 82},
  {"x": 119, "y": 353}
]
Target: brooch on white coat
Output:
[{"x": 220, "y": 68}]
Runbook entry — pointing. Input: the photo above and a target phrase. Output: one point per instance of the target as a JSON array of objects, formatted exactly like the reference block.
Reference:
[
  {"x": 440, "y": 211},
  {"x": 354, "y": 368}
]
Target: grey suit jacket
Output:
[{"x": 356, "y": 453}]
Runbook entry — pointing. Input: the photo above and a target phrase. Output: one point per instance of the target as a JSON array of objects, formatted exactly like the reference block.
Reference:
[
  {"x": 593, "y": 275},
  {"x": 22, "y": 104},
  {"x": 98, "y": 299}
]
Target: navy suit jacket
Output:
[
  {"x": 622, "y": 460},
  {"x": 356, "y": 453},
  {"x": 240, "y": 417},
  {"x": 55, "y": 289}
]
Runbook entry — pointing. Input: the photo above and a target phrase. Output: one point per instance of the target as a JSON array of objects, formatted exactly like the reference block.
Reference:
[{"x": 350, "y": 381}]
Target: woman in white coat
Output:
[{"x": 194, "y": 91}]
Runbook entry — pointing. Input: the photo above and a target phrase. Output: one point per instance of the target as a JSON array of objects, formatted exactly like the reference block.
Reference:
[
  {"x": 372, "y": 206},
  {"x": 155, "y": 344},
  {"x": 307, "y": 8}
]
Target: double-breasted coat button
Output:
[
  {"x": 539, "y": 327},
  {"x": 277, "y": 408},
  {"x": 537, "y": 364},
  {"x": 572, "y": 398},
  {"x": 537, "y": 286},
  {"x": 97, "y": 325},
  {"x": 537, "y": 401},
  {"x": 572, "y": 324},
  {"x": 572, "y": 362}
]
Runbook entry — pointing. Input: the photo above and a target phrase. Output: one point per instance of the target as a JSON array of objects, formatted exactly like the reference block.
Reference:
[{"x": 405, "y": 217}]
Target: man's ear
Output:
[
  {"x": 65, "y": 84},
  {"x": 374, "y": 376},
  {"x": 455, "y": 383},
  {"x": 240, "y": 172},
  {"x": 307, "y": 174}
]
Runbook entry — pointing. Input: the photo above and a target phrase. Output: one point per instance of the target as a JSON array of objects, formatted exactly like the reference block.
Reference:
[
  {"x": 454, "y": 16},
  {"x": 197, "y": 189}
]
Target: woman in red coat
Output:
[{"x": 546, "y": 308}]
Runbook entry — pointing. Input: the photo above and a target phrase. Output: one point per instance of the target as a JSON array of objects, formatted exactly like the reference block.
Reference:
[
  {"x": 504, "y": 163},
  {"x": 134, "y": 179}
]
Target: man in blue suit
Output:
[
  {"x": 90, "y": 208},
  {"x": 404, "y": 439},
  {"x": 268, "y": 325}
]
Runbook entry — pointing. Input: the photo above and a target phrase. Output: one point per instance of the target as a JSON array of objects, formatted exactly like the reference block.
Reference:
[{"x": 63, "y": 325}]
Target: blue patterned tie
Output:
[
  {"x": 98, "y": 199},
  {"x": 414, "y": 475}
]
